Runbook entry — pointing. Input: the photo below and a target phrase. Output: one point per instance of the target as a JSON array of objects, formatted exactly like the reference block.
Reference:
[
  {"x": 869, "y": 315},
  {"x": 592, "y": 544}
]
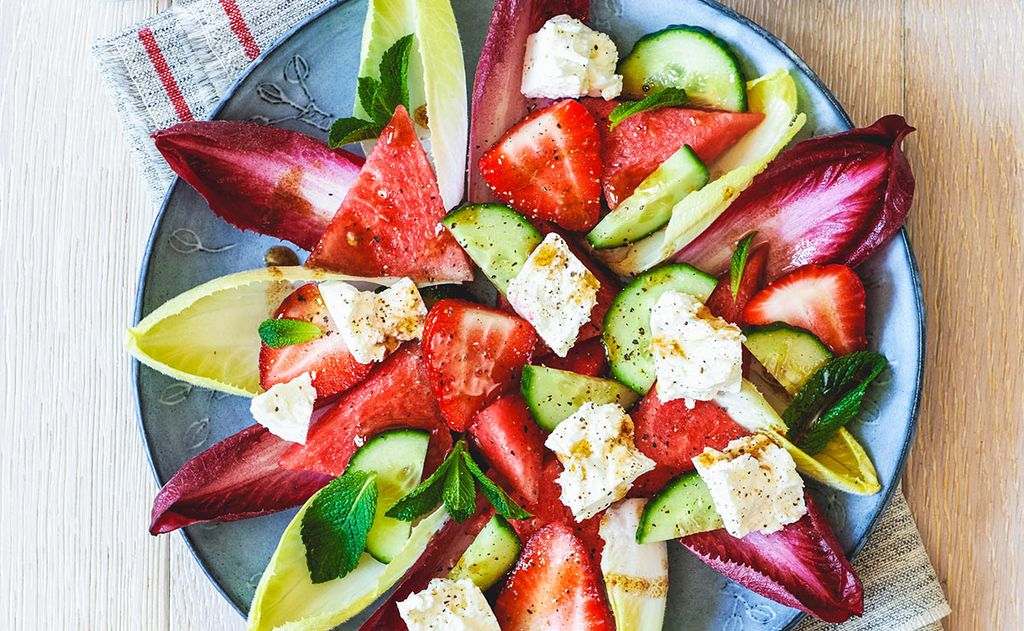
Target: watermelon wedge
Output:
[
  {"x": 388, "y": 225},
  {"x": 497, "y": 101},
  {"x": 730, "y": 308},
  {"x": 269, "y": 180},
  {"x": 643, "y": 141},
  {"x": 396, "y": 395},
  {"x": 237, "y": 478},
  {"x": 801, "y": 566}
]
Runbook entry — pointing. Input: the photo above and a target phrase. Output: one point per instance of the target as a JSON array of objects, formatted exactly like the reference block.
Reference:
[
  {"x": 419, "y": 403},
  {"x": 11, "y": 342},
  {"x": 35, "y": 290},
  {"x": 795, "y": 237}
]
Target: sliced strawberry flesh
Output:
[
  {"x": 512, "y": 442},
  {"x": 730, "y": 308},
  {"x": 237, "y": 478},
  {"x": 638, "y": 145},
  {"x": 801, "y": 566},
  {"x": 395, "y": 396},
  {"x": 388, "y": 224},
  {"x": 555, "y": 585},
  {"x": 549, "y": 166},
  {"x": 266, "y": 179},
  {"x": 827, "y": 300},
  {"x": 327, "y": 358},
  {"x": 473, "y": 354}
]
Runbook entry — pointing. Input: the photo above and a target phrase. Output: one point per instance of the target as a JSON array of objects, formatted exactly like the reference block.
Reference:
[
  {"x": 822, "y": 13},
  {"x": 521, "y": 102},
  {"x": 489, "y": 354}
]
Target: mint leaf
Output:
[
  {"x": 287, "y": 332},
  {"x": 394, "y": 76},
  {"x": 424, "y": 498},
  {"x": 831, "y": 398},
  {"x": 739, "y": 263},
  {"x": 460, "y": 490},
  {"x": 669, "y": 97},
  {"x": 346, "y": 131},
  {"x": 500, "y": 500},
  {"x": 335, "y": 525}
]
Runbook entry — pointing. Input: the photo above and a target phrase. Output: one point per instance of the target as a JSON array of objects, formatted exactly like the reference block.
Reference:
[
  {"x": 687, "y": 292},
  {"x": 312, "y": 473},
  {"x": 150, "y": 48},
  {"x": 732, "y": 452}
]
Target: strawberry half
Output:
[
  {"x": 723, "y": 304},
  {"x": 327, "y": 357},
  {"x": 553, "y": 586},
  {"x": 549, "y": 166},
  {"x": 473, "y": 354},
  {"x": 395, "y": 396},
  {"x": 512, "y": 442},
  {"x": 827, "y": 300},
  {"x": 801, "y": 566}
]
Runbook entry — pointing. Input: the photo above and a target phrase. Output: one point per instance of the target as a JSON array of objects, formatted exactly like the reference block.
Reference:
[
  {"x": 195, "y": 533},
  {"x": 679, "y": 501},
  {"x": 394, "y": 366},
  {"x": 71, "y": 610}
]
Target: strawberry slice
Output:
[
  {"x": 548, "y": 166},
  {"x": 388, "y": 224},
  {"x": 444, "y": 551},
  {"x": 395, "y": 396},
  {"x": 512, "y": 442},
  {"x": 333, "y": 368},
  {"x": 586, "y": 358},
  {"x": 473, "y": 354},
  {"x": 827, "y": 300},
  {"x": 554, "y": 586},
  {"x": 801, "y": 566},
  {"x": 638, "y": 145},
  {"x": 237, "y": 478},
  {"x": 266, "y": 179},
  {"x": 729, "y": 308},
  {"x": 671, "y": 434}
]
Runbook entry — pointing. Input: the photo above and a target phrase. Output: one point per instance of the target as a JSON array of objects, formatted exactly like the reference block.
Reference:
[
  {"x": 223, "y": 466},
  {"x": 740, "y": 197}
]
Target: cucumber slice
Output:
[
  {"x": 397, "y": 458},
  {"x": 789, "y": 354},
  {"x": 650, "y": 205},
  {"x": 627, "y": 325},
  {"x": 686, "y": 57},
  {"x": 497, "y": 238},
  {"x": 554, "y": 395},
  {"x": 491, "y": 555},
  {"x": 684, "y": 507}
]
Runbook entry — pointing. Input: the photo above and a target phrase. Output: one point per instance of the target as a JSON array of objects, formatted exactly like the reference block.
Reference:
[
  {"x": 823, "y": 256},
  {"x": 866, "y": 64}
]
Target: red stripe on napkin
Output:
[
  {"x": 163, "y": 71},
  {"x": 241, "y": 29}
]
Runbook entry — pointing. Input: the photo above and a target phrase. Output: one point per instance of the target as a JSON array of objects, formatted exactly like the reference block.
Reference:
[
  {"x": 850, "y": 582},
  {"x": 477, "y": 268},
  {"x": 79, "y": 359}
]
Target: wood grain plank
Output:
[{"x": 965, "y": 474}]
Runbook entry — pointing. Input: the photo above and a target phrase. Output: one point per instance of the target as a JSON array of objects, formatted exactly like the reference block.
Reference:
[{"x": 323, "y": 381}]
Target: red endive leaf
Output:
[
  {"x": 497, "y": 100},
  {"x": 236, "y": 478},
  {"x": 269, "y": 180},
  {"x": 801, "y": 566},
  {"x": 444, "y": 552},
  {"x": 829, "y": 199}
]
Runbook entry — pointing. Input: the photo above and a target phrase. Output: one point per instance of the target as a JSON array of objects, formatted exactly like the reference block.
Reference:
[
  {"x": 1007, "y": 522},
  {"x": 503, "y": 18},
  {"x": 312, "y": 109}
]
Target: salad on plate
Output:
[{"x": 617, "y": 306}]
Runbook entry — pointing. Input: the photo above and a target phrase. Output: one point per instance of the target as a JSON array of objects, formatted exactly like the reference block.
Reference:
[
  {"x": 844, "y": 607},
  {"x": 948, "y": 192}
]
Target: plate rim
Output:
[{"x": 796, "y": 60}]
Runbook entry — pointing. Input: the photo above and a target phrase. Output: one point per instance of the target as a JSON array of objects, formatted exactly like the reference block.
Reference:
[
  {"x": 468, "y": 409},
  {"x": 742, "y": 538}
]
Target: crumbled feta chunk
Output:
[
  {"x": 371, "y": 324},
  {"x": 447, "y": 605},
  {"x": 600, "y": 460},
  {"x": 555, "y": 292},
  {"x": 697, "y": 355},
  {"x": 754, "y": 485},
  {"x": 566, "y": 58},
  {"x": 286, "y": 409}
]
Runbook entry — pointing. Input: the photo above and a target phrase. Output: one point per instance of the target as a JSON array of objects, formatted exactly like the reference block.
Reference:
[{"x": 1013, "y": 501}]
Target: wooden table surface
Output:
[{"x": 75, "y": 487}]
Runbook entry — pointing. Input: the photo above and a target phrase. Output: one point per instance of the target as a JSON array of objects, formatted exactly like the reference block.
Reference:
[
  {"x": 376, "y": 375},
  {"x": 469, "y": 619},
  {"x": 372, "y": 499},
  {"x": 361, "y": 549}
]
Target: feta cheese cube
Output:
[
  {"x": 566, "y": 58},
  {"x": 371, "y": 324},
  {"x": 697, "y": 356},
  {"x": 286, "y": 408},
  {"x": 754, "y": 485},
  {"x": 447, "y": 605},
  {"x": 555, "y": 292},
  {"x": 595, "y": 446}
]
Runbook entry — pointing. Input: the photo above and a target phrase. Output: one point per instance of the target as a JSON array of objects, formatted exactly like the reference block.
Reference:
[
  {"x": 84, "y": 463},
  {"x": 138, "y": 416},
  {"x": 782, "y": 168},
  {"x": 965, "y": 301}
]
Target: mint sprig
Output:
[
  {"x": 669, "y": 97},
  {"x": 831, "y": 398},
  {"x": 739, "y": 263},
  {"x": 455, "y": 483},
  {"x": 335, "y": 525},
  {"x": 281, "y": 332},
  {"x": 378, "y": 97}
]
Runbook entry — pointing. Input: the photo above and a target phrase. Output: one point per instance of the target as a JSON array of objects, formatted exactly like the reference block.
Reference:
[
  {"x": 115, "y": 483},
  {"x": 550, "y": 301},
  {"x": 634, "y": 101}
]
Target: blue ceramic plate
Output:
[{"x": 308, "y": 79}]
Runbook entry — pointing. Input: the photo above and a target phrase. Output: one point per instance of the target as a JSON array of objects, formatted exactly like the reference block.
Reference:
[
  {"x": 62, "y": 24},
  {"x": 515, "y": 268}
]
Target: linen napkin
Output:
[{"x": 176, "y": 66}]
